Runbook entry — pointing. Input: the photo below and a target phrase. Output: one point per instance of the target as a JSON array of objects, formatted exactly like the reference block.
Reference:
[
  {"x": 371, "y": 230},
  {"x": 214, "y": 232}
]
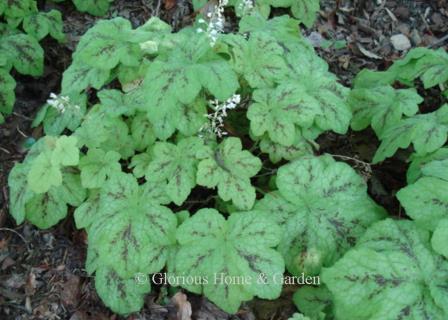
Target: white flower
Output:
[
  {"x": 216, "y": 123},
  {"x": 61, "y": 103}
]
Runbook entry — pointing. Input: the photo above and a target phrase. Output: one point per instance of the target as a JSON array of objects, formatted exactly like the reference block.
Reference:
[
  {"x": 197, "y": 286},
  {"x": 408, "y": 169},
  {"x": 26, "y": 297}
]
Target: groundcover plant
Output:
[{"x": 148, "y": 119}]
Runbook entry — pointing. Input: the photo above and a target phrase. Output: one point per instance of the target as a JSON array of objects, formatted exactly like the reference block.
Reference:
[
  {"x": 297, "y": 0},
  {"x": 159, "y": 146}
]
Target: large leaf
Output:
[
  {"x": 230, "y": 168},
  {"x": 289, "y": 110},
  {"x": 259, "y": 60},
  {"x": 323, "y": 207},
  {"x": 382, "y": 106},
  {"x": 80, "y": 76},
  {"x": 215, "y": 249},
  {"x": 130, "y": 233},
  {"x": 427, "y": 132},
  {"x": 419, "y": 162},
  {"x": 41, "y": 24},
  {"x": 391, "y": 274},
  {"x": 24, "y": 53},
  {"x": 19, "y": 192},
  {"x": 174, "y": 167},
  {"x": 107, "y": 44},
  {"x": 176, "y": 79},
  {"x": 123, "y": 296}
]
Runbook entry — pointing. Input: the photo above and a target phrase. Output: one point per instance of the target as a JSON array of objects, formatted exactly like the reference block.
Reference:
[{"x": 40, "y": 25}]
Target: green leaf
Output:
[
  {"x": 437, "y": 169},
  {"x": 305, "y": 11},
  {"x": 41, "y": 24},
  {"x": 108, "y": 44},
  {"x": 24, "y": 52},
  {"x": 85, "y": 214},
  {"x": 241, "y": 246},
  {"x": 439, "y": 239},
  {"x": 97, "y": 165},
  {"x": 122, "y": 296},
  {"x": 44, "y": 174},
  {"x": 427, "y": 132},
  {"x": 314, "y": 302},
  {"x": 425, "y": 201},
  {"x": 66, "y": 152},
  {"x": 382, "y": 107},
  {"x": 176, "y": 80},
  {"x": 174, "y": 167},
  {"x": 230, "y": 168},
  {"x": 277, "y": 151},
  {"x": 46, "y": 209},
  {"x": 7, "y": 95},
  {"x": 259, "y": 60},
  {"x": 298, "y": 316},
  {"x": 139, "y": 164},
  {"x": 323, "y": 207},
  {"x": 130, "y": 233},
  {"x": 79, "y": 76},
  {"x": 56, "y": 121},
  {"x": 93, "y": 7},
  {"x": 391, "y": 274},
  {"x": 142, "y": 132},
  {"x": 19, "y": 191},
  {"x": 419, "y": 162},
  {"x": 18, "y": 9}
]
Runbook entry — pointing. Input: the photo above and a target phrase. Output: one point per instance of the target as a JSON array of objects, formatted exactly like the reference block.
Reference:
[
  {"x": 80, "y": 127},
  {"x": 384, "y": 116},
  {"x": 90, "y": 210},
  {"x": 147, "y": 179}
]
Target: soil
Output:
[{"x": 41, "y": 271}]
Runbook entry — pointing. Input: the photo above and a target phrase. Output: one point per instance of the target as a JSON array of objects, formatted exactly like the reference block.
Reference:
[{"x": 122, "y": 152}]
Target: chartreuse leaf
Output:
[
  {"x": 15, "y": 10},
  {"x": 419, "y": 162},
  {"x": 93, "y": 7},
  {"x": 304, "y": 10},
  {"x": 101, "y": 129},
  {"x": 107, "y": 44},
  {"x": 19, "y": 192},
  {"x": 230, "y": 168},
  {"x": 24, "y": 53},
  {"x": 391, "y": 274},
  {"x": 142, "y": 132},
  {"x": 290, "y": 109},
  {"x": 7, "y": 95},
  {"x": 259, "y": 60},
  {"x": 278, "y": 151},
  {"x": 45, "y": 170},
  {"x": 427, "y": 132},
  {"x": 323, "y": 207},
  {"x": 123, "y": 296},
  {"x": 79, "y": 76},
  {"x": 314, "y": 302},
  {"x": 41, "y": 24},
  {"x": 439, "y": 238},
  {"x": 240, "y": 247},
  {"x": 130, "y": 233},
  {"x": 174, "y": 167},
  {"x": 47, "y": 209},
  {"x": 97, "y": 165},
  {"x": 382, "y": 106},
  {"x": 176, "y": 78},
  {"x": 429, "y": 65}
]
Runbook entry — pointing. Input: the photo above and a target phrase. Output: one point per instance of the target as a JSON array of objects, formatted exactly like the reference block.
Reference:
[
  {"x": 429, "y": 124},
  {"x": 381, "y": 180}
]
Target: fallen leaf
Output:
[{"x": 368, "y": 53}]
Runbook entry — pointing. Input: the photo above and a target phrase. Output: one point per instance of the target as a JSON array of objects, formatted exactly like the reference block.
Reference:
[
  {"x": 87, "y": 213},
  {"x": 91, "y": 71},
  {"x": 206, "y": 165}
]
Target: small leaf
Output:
[
  {"x": 19, "y": 191},
  {"x": 94, "y": 7},
  {"x": 44, "y": 174},
  {"x": 230, "y": 169},
  {"x": 7, "y": 95},
  {"x": 427, "y": 132},
  {"x": 66, "y": 152},
  {"x": 97, "y": 165}
]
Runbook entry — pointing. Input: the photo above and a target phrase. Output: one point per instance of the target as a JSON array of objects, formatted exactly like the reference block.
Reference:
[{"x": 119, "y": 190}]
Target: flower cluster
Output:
[
  {"x": 60, "y": 103},
  {"x": 246, "y": 6},
  {"x": 216, "y": 22},
  {"x": 216, "y": 123}
]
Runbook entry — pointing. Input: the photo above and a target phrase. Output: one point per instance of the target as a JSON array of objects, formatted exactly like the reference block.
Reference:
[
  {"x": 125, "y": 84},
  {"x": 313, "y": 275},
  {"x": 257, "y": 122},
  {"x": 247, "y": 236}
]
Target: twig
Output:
[
  {"x": 15, "y": 232},
  {"x": 438, "y": 42},
  {"x": 5, "y": 150}
]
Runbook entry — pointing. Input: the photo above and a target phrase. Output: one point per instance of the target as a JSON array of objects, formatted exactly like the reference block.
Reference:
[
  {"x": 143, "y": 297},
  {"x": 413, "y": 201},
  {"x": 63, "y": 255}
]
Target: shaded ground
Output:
[{"x": 41, "y": 272}]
